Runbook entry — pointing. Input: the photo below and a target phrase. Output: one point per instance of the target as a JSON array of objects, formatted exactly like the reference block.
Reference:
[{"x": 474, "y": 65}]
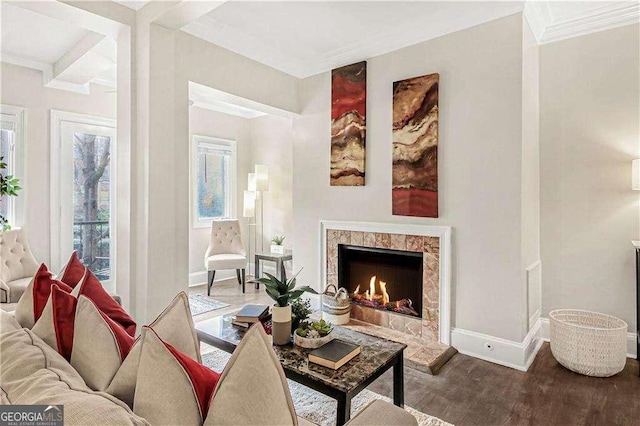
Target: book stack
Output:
[
  {"x": 250, "y": 314},
  {"x": 334, "y": 354}
]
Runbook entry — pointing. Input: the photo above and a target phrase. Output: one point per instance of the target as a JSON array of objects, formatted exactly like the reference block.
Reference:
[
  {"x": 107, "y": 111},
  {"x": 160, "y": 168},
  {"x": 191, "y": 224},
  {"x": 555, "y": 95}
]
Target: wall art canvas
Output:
[
  {"x": 415, "y": 146},
  {"x": 348, "y": 124}
]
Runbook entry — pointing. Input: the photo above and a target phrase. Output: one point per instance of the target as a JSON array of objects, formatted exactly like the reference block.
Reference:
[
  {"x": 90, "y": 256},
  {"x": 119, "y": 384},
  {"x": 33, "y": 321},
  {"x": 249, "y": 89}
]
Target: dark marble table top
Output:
[{"x": 376, "y": 353}]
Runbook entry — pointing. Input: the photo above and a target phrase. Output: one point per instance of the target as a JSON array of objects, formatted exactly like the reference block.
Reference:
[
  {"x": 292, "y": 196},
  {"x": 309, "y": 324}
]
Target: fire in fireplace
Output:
[{"x": 382, "y": 279}]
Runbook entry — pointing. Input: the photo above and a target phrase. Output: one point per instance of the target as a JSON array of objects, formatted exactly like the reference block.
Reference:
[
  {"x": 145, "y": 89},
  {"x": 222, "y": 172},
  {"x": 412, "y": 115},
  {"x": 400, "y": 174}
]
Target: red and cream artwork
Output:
[
  {"x": 415, "y": 146},
  {"x": 348, "y": 124}
]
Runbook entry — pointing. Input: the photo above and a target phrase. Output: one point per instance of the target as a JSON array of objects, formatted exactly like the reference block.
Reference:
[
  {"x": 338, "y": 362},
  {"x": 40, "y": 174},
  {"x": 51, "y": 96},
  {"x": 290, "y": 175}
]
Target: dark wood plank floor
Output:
[{"x": 469, "y": 391}]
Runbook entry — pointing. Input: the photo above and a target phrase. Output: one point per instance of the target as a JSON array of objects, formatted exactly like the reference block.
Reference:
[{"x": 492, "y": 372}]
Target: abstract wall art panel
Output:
[
  {"x": 415, "y": 146},
  {"x": 348, "y": 124}
]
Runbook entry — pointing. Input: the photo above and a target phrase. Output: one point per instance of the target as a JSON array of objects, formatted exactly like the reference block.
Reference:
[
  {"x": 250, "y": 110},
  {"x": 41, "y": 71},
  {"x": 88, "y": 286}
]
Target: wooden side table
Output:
[
  {"x": 636, "y": 245},
  {"x": 279, "y": 260}
]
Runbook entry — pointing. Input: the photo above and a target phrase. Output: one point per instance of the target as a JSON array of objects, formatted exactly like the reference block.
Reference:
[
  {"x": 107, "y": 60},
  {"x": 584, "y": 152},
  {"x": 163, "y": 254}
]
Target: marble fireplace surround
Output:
[{"x": 435, "y": 244}]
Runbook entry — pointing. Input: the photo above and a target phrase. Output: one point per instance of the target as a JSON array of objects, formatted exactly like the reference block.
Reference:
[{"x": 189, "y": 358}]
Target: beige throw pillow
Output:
[
  {"x": 175, "y": 326},
  {"x": 253, "y": 389}
]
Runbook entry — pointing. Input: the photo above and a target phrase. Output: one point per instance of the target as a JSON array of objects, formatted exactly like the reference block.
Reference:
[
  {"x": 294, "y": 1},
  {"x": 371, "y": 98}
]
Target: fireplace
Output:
[{"x": 381, "y": 278}]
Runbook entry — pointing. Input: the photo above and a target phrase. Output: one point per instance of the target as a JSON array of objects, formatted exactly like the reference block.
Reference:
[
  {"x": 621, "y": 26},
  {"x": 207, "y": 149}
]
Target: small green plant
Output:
[
  {"x": 284, "y": 291},
  {"x": 9, "y": 185},
  {"x": 278, "y": 240},
  {"x": 300, "y": 311},
  {"x": 314, "y": 330}
]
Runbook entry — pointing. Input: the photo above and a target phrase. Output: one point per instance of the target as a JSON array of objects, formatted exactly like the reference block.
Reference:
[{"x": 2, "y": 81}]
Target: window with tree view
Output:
[
  {"x": 214, "y": 179},
  {"x": 92, "y": 201}
]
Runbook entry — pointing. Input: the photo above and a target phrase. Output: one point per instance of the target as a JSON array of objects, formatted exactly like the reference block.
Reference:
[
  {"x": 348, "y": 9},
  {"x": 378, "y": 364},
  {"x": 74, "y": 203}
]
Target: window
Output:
[
  {"x": 82, "y": 191},
  {"x": 213, "y": 179},
  {"x": 12, "y": 152}
]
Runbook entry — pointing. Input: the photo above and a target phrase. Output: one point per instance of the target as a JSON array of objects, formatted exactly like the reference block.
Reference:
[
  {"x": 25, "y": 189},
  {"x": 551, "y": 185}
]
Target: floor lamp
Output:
[
  {"x": 259, "y": 182},
  {"x": 249, "y": 211}
]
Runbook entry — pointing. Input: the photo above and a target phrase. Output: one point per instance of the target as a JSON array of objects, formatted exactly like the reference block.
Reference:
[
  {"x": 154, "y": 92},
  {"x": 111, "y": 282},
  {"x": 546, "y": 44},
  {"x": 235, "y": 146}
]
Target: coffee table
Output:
[{"x": 376, "y": 357}]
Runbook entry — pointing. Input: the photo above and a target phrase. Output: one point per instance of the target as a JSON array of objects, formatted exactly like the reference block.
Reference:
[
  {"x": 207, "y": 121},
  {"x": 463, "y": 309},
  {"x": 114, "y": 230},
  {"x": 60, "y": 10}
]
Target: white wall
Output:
[
  {"x": 23, "y": 87},
  {"x": 589, "y": 134},
  {"x": 272, "y": 145},
  {"x": 218, "y": 125},
  {"x": 479, "y": 166},
  {"x": 531, "y": 265}
]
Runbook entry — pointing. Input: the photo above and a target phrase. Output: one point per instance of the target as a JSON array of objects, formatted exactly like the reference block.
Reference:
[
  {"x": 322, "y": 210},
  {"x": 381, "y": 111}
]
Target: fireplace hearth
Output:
[{"x": 382, "y": 279}]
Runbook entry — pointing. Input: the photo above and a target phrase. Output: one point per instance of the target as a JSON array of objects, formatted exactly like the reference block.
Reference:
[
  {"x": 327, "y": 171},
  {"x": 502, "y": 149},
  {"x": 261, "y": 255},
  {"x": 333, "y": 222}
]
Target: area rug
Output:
[
  {"x": 314, "y": 406},
  {"x": 199, "y": 304}
]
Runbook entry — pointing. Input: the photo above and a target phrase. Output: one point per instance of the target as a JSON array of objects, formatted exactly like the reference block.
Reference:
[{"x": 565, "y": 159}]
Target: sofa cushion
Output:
[
  {"x": 91, "y": 287},
  {"x": 174, "y": 325},
  {"x": 35, "y": 297},
  {"x": 56, "y": 324},
  {"x": 33, "y": 373},
  {"x": 73, "y": 272},
  {"x": 169, "y": 379},
  {"x": 99, "y": 345},
  {"x": 253, "y": 363}
]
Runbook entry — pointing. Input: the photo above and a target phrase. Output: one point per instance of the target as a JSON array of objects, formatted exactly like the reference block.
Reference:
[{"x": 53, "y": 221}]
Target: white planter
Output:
[
  {"x": 281, "y": 324},
  {"x": 305, "y": 342},
  {"x": 276, "y": 249}
]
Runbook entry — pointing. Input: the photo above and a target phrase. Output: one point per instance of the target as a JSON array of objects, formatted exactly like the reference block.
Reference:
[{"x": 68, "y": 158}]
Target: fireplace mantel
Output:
[{"x": 443, "y": 233}]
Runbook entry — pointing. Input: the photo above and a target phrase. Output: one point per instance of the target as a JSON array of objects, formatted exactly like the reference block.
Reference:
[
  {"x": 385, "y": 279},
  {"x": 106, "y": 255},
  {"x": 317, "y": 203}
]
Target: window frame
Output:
[
  {"x": 17, "y": 160},
  {"x": 212, "y": 142}
]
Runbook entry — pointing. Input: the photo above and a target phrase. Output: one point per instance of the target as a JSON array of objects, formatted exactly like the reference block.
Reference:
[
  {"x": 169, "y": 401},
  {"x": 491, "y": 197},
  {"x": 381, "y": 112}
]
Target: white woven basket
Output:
[{"x": 587, "y": 342}]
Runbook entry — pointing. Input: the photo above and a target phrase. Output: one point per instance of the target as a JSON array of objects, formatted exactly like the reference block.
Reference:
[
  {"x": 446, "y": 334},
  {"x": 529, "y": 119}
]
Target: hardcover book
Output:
[
  {"x": 252, "y": 313},
  {"x": 334, "y": 354}
]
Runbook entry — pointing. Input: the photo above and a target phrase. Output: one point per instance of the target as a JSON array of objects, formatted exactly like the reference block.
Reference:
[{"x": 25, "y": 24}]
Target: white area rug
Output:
[
  {"x": 312, "y": 405},
  {"x": 199, "y": 304}
]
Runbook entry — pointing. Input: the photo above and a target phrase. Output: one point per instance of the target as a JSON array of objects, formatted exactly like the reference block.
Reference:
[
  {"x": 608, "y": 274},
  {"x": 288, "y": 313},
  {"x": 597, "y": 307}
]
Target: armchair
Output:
[
  {"x": 17, "y": 265},
  {"x": 225, "y": 251}
]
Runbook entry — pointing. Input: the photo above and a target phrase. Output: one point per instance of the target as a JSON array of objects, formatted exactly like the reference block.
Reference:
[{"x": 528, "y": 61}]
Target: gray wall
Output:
[{"x": 589, "y": 112}]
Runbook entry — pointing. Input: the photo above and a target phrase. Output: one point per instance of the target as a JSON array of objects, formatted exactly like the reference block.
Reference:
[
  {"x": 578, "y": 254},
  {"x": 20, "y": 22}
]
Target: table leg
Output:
[
  {"x": 279, "y": 268},
  {"x": 256, "y": 268},
  {"x": 344, "y": 409},
  {"x": 398, "y": 381}
]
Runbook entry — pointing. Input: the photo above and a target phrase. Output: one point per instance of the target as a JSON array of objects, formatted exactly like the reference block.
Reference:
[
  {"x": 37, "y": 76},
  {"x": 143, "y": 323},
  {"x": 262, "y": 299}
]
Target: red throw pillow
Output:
[
  {"x": 34, "y": 299},
  {"x": 73, "y": 271},
  {"x": 91, "y": 287},
  {"x": 56, "y": 324}
]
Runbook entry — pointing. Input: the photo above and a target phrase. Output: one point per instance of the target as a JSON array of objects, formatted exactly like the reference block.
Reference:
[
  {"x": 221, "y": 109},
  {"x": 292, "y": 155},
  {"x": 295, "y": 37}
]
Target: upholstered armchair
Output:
[
  {"x": 225, "y": 251},
  {"x": 17, "y": 265}
]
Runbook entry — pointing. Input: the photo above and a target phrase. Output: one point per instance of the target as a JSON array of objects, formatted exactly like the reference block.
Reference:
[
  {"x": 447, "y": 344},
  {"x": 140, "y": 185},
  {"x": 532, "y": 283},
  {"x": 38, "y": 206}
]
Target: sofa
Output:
[{"x": 31, "y": 372}]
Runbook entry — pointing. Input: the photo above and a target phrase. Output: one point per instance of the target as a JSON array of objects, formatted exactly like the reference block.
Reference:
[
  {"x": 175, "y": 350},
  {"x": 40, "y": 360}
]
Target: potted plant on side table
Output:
[
  {"x": 283, "y": 292},
  {"x": 276, "y": 244}
]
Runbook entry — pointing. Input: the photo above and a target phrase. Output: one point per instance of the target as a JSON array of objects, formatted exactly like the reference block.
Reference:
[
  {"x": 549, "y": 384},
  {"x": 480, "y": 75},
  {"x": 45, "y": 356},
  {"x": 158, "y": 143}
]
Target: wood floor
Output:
[{"x": 469, "y": 391}]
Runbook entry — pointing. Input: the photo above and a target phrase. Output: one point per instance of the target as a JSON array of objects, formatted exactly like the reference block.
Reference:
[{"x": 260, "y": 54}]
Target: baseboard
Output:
[
  {"x": 545, "y": 335},
  {"x": 517, "y": 355}
]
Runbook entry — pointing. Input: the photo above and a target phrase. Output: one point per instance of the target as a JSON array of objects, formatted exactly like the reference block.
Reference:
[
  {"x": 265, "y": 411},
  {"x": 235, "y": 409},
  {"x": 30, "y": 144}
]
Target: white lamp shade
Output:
[
  {"x": 262, "y": 177},
  {"x": 252, "y": 182},
  {"x": 635, "y": 174},
  {"x": 249, "y": 205}
]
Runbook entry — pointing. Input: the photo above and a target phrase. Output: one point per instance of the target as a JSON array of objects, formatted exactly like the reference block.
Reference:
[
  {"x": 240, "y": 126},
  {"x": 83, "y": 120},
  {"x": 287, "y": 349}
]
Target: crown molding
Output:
[{"x": 548, "y": 30}]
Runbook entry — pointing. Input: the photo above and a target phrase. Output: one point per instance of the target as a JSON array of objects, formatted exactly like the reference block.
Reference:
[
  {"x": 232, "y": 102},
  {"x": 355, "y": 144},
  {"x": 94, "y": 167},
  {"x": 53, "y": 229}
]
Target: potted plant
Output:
[
  {"x": 313, "y": 334},
  {"x": 276, "y": 246},
  {"x": 300, "y": 311},
  {"x": 283, "y": 292},
  {"x": 9, "y": 185}
]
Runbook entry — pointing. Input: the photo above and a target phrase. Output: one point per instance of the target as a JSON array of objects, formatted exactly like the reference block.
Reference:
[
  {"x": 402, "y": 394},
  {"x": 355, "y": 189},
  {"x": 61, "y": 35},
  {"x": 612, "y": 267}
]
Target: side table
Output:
[{"x": 279, "y": 260}]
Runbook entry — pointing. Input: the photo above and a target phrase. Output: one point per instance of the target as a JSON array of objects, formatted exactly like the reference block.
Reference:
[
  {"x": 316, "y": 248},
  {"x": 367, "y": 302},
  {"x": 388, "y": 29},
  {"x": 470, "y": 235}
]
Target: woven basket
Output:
[
  {"x": 587, "y": 342},
  {"x": 336, "y": 302}
]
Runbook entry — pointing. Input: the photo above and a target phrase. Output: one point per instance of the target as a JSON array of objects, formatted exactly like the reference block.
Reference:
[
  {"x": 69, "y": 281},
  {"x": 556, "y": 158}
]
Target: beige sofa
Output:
[{"x": 31, "y": 372}]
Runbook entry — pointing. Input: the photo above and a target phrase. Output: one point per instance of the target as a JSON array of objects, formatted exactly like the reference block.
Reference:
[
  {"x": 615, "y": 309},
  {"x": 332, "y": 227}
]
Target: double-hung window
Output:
[
  {"x": 213, "y": 171},
  {"x": 12, "y": 153}
]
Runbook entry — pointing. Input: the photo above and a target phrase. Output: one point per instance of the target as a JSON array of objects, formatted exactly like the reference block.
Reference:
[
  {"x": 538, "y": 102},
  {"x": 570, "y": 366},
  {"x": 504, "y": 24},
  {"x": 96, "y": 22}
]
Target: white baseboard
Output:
[
  {"x": 517, "y": 355},
  {"x": 545, "y": 334}
]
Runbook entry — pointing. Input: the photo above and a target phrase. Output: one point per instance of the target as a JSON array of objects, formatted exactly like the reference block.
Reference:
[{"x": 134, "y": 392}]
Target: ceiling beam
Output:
[
  {"x": 184, "y": 12},
  {"x": 74, "y": 54},
  {"x": 74, "y": 14}
]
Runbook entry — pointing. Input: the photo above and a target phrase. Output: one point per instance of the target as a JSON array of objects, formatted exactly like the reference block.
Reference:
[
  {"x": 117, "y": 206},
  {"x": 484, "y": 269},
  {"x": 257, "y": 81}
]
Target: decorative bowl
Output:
[{"x": 305, "y": 342}]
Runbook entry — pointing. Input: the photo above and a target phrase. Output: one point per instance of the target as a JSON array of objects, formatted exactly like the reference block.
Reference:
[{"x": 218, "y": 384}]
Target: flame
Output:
[
  {"x": 357, "y": 290},
  {"x": 372, "y": 287},
  {"x": 385, "y": 295}
]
